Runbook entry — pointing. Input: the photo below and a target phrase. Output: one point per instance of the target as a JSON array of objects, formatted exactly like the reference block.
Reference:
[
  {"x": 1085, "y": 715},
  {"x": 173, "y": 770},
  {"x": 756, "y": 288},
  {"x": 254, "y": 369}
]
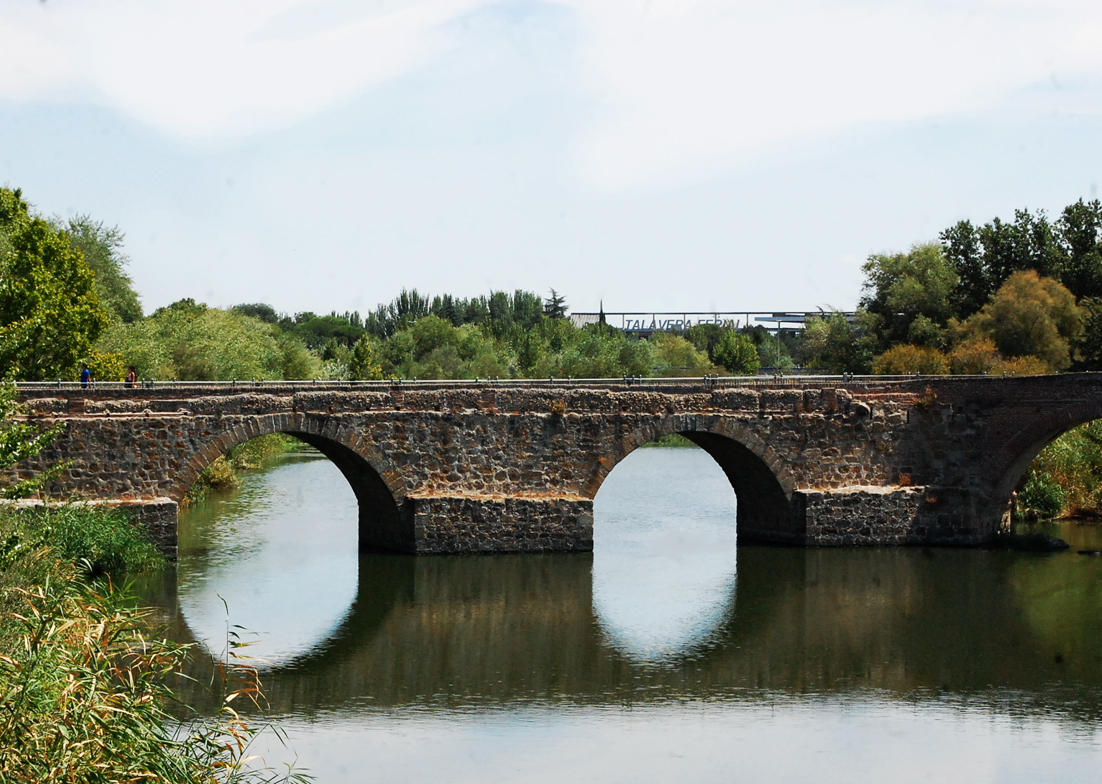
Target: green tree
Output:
[
  {"x": 906, "y": 359},
  {"x": 1029, "y": 316},
  {"x": 49, "y": 311},
  {"x": 675, "y": 356},
  {"x": 102, "y": 250},
  {"x": 554, "y": 307},
  {"x": 905, "y": 288},
  {"x": 364, "y": 365},
  {"x": 190, "y": 341},
  {"x": 831, "y": 342},
  {"x": 736, "y": 352}
]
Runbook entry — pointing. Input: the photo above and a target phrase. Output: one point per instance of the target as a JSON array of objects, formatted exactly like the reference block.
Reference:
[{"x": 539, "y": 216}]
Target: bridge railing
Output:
[{"x": 704, "y": 382}]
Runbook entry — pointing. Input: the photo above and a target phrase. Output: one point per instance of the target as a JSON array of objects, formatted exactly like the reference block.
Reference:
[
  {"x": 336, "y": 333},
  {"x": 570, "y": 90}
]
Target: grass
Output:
[
  {"x": 1066, "y": 478},
  {"x": 671, "y": 440},
  {"x": 85, "y": 680}
]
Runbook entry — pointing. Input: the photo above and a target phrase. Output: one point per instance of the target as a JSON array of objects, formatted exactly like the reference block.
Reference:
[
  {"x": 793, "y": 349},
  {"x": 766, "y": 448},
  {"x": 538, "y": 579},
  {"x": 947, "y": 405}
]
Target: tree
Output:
[
  {"x": 831, "y": 342},
  {"x": 19, "y": 441},
  {"x": 554, "y": 307},
  {"x": 364, "y": 365},
  {"x": 675, "y": 356},
  {"x": 737, "y": 353},
  {"x": 1079, "y": 228},
  {"x": 50, "y": 313},
  {"x": 102, "y": 250},
  {"x": 1029, "y": 316},
  {"x": 910, "y": 290},
  {"x": 906, "y": 359}
]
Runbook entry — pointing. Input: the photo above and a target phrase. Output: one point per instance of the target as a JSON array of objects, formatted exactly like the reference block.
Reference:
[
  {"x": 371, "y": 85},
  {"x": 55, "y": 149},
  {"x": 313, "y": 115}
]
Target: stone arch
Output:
[
  {"x": 764, "y": 486},
  {"x": 385, "y": 520},
  {"x": 1012, "y": 460}
]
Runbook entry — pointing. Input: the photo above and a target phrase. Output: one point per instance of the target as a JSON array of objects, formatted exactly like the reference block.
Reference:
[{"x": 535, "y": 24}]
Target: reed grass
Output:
[
  {"x": 86, "y": 677},
  {"x": 1066, "y": 478}
]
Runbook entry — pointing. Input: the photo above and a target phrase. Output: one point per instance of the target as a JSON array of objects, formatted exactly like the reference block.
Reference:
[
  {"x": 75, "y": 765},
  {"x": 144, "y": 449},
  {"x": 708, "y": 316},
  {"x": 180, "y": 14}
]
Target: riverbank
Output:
[
  {"x": 85, "y": 679},
  {"x": 1065, "y": 480},
  {"x": 226, "y": 471}
]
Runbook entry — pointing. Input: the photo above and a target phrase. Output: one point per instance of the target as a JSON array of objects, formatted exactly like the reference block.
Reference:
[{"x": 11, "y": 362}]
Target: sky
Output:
[{"x": 647, "y": 155}]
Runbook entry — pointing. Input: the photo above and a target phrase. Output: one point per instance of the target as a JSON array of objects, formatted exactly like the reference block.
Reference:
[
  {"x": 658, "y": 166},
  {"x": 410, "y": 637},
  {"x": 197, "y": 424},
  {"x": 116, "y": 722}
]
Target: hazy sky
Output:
[{"x": 670, "y": 154}]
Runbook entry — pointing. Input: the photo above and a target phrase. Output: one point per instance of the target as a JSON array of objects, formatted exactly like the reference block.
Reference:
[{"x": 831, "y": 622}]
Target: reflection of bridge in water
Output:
[{"x": 969, "y": 626}]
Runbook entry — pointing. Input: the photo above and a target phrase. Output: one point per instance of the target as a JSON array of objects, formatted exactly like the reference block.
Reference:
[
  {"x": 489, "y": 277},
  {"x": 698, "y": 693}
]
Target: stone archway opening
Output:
[
  {"x": 1057, "y": 475},
  {"x": 664, "y": 555},
  {"x": 384, "y": 523}
]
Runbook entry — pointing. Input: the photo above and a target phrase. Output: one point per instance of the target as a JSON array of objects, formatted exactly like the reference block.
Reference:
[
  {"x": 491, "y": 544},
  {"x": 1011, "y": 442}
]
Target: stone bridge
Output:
[{"x": 514, "y": 466}]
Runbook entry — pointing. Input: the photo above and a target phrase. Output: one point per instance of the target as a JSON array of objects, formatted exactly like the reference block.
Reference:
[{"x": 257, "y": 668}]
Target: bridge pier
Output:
[{"x": 470, "y": 524}]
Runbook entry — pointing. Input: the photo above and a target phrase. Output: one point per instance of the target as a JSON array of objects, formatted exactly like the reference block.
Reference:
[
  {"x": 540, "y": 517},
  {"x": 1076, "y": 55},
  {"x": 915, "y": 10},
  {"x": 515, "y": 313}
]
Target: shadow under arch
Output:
[
  {"x": 767, "y": 505},
  {"x": 385, "y": 518},
  {"x": 1011, "y": 462}
]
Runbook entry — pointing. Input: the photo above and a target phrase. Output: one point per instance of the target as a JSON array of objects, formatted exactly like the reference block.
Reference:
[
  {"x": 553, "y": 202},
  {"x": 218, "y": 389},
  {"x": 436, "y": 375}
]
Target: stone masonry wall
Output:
[{"x": 473, "y": 468}]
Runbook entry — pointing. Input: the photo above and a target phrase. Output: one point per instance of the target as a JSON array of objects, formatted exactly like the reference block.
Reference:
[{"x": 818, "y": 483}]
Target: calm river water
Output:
[{"x": 667, "y": 655}]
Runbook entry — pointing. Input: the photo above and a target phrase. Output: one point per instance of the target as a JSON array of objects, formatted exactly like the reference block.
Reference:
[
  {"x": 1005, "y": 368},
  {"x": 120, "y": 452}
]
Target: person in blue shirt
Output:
[{"x": 85, "y": 376}]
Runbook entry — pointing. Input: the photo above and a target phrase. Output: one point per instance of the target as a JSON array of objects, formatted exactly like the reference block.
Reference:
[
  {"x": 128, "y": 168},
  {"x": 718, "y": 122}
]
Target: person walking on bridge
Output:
[
  {"x": 132, "y": 378},
  {"x": 85, "y": 376}
]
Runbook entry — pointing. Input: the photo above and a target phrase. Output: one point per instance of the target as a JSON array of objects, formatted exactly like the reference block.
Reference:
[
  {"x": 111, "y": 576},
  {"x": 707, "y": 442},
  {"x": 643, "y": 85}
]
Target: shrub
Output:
[
  {"x": 908, "y": 359},
  {"x": 975, "y": 357},
  {"x": 738, "y": 354},
  {"x": 104, "y": 540},
  {"x": 1042, "y": 494}
]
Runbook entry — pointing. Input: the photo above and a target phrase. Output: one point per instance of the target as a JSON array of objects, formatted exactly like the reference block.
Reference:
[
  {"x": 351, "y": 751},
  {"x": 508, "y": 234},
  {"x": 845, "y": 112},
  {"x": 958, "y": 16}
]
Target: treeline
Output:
[
  {"x": 66, "y": 300},
  {"x": 1023, "y": 296}
]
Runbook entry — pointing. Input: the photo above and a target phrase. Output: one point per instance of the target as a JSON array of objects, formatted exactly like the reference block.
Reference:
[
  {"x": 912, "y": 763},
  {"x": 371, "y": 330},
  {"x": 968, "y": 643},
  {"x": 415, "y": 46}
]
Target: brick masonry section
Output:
[{"x": 511, "y": 468}]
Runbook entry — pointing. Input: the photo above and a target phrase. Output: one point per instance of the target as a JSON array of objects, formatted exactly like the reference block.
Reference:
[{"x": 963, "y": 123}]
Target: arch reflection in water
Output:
[
  {"x": 281, "y": 552},
  {"x": 664, "y": 553}
]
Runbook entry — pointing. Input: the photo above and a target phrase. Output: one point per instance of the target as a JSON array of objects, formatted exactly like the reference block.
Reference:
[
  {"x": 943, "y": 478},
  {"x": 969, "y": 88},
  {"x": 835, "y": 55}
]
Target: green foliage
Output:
[
  {"x": 907, "y": 359},
  {"x": 102, "y": 251},
  {"x": 189, "y": 341},
  {"x": 985, "y": 257},
  {"x": 102, "y": 540},
  {"x": 910, "y": 295},
  {"x": 1066, "y": 478},
  {"x": 675, "y": 356},
  {"x": 671, "y": 441},
  {"x": 1029, "y": 316},
  {"x": 85, "y": 695},
  {"x": 364, "y": 365},
  {"x": 1042, "y": 495},
  {"x": 772, "y": 350},
  {"x": 225, "y": 471},
  {"x": 830, "y": 342},
  {"x": 737, "y": 353},
  {"x": 49, "y": 311},
  {"x": 554, "y": 307},
  {"x": 706, "y": 337},
  {"x": 21, "y": 440}
]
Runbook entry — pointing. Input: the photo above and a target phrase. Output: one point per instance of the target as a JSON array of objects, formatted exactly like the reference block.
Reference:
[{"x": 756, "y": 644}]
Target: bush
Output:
[
  {"x": 103, "y": 540},
  {"x": 738, "y": 354},
  {"x": 85, "y": 699},
  {"x": 908, "y": 359},
  {"x": 1042, "y": 494}
]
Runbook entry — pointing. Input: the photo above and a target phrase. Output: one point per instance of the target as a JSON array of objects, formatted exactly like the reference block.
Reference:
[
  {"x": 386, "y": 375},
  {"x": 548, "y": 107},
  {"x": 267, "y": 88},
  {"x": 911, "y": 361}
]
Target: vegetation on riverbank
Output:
[
  {"x": 85, "y": 676},
  {"x": 225, "y": 472},
  {"x": 1066, "y": 478}
]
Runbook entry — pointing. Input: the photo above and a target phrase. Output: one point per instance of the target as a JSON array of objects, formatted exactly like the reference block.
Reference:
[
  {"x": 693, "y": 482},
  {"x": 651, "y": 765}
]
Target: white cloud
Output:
[
  {"x": 686, "y": 85},
  {"x": 210, "y": 70}
]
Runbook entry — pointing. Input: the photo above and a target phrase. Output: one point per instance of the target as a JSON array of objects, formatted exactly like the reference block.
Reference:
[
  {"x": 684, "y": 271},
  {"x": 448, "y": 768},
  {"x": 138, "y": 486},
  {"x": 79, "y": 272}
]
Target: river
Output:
[{"x": 668, "y": 654}]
